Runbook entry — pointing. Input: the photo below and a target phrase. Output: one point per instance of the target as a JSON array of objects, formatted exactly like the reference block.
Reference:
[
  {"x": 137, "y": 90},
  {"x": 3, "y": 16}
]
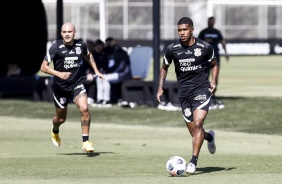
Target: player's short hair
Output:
[
  {"x": 185, "y": 20},
  {"x": 210, "y": 18}
]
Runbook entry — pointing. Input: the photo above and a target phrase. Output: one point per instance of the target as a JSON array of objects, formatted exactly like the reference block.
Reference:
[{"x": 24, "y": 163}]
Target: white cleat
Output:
[
  {"x": 191, "y": 168},
  {"x": 211, "y": 145}
]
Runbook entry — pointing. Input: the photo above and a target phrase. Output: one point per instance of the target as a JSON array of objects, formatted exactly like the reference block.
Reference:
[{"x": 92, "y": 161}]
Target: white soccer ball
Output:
[{"x": 176, "y": 166}]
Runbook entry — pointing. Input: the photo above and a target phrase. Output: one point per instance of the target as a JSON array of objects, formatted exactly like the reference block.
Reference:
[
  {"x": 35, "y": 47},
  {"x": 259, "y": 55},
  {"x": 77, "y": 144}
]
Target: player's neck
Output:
[
  {"x": 68, "y": 43},
  {"x": 190, "y": 42}
]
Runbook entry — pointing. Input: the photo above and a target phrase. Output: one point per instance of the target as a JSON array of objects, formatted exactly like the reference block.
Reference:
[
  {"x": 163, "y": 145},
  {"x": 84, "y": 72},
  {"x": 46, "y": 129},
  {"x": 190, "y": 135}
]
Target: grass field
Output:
[
  {"x": 133, "y": 145},
  {"x": 128, "y": 154}
]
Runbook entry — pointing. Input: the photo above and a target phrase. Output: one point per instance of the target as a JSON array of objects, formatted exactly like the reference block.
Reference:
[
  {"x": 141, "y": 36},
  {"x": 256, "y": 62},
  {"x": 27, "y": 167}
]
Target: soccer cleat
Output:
[
  {"x": 211, "y": 145},
  {"x": 220, "y": 104},
  {"x": 191, "y": 168},
  {"x": 87, "y": 147},
  {"x": 55, "y": 138},
  {"x": 106, "y": 104}
]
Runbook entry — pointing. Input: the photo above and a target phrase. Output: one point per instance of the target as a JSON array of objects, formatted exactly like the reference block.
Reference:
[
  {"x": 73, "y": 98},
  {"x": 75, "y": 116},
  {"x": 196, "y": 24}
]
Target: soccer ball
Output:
[{"x": 176, "y": 166}]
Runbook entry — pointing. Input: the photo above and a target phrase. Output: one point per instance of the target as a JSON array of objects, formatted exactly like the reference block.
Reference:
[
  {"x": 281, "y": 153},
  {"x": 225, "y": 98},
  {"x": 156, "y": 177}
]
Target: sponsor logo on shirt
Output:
[
  {"x": 185, "y": 65},
  {"x": 71, "y": 62},
  {"x": 187, "y": 60},
  {"x": 61, "y": 46},
  {"x": 179, "y": 53}
]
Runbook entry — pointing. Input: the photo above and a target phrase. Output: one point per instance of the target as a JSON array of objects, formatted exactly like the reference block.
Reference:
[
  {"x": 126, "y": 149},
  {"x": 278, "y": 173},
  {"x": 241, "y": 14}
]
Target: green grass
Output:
[
  {"x": 130, "y": 154},
  {"x": 133, "y": 145},
  {"x": 241, "y": 114}
]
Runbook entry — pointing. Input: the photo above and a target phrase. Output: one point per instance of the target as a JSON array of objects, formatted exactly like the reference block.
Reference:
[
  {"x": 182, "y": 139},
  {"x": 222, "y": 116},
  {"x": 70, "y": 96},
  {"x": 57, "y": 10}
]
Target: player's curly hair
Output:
[{"x": 185, "y": 20}]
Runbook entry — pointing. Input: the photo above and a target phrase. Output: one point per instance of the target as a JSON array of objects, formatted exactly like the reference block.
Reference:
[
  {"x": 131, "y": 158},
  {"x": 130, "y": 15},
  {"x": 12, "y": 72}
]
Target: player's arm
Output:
[
  {"x": 45, "y": 68},
  {"x": 163, "y": 71},
  {"x": 214, "y": 75},
  {"x": 223, "y": 43},
  {"x": 89, "y": 57},
  {"x": 163, "y": 74}
]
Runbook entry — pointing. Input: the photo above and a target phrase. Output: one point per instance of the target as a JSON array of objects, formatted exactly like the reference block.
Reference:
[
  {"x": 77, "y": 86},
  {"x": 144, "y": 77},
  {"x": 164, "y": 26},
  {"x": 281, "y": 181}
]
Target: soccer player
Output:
[
  {"x": 66, "y": 55},
  {"x": 192, "y": 57},
  {"x": 213, "y": 36}
]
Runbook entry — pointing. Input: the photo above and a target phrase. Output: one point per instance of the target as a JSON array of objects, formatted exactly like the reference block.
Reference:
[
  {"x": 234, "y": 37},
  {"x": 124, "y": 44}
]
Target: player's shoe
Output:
[
  {"x": 191, "y": 168},
  {"x": 55, "y": 138},
  {"x": 211, "y": 145},
  {"x": 87, "y": 147}
]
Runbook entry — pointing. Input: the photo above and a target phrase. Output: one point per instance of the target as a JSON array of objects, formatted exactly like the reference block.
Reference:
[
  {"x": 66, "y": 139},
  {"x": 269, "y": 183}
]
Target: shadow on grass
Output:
[
  {"x": 230, "y": 97},
  {"x": 205, "y": 170},
  {"x": 86, "y": 154}
]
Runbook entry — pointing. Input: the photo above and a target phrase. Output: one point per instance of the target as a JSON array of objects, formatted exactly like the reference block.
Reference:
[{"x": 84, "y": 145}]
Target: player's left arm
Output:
[
  {"x": 223, "y": 43},
  {"x": 214, "y": 69},
  {"x": 214, "y": 75},
  {"x": 89, "y": 57}
]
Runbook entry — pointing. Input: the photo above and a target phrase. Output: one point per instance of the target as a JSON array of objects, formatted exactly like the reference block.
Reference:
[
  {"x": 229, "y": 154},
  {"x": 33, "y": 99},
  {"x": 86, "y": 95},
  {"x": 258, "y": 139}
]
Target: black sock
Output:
[
  {"x": 208, "y": 137},
  {"x": 55, "y": 131},
  {"x": 85, "y": 138},
  {"x": 194, "y": 160}
]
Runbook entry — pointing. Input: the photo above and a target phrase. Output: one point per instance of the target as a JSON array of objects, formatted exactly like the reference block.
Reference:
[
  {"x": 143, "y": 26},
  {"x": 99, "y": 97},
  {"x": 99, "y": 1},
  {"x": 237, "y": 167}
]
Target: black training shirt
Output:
[
  {"x": 191, "y": 65},
  {"x": 67, "y": 59}
]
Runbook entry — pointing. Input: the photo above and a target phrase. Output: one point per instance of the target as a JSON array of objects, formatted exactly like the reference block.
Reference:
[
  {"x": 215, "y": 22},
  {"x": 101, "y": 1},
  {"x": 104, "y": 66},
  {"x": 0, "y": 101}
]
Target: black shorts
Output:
[
  {"x": 191, "y": 103},
  {"x": 62, "y": 98}
]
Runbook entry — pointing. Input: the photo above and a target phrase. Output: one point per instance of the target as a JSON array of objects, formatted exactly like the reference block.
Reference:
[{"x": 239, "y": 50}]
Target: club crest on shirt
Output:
[
  {"x": 187, "y": 112},
  {"x": 197, "y": 52},
  {"x": 77, "y": 50}
]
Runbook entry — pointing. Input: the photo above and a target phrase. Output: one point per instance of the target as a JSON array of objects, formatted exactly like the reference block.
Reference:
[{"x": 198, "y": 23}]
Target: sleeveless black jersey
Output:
[
  {"x": 191, "y": 65},
  {"x": 67, "y": 59}
]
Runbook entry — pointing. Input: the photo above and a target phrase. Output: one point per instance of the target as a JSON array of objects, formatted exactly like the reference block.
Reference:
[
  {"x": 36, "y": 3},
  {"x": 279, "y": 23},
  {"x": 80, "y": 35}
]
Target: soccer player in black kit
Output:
[
  {"x": 67, "y": 55},
  {"x": 213, "y": 36},
  {"x": 191, "y": 58}
]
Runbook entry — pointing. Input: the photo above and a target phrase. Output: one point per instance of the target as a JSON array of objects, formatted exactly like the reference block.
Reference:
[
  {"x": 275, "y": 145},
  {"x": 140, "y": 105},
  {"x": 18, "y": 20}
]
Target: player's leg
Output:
[
  {"x": 58, "y": 120},
  {"x": 199, "y": 108},
  {"x": 196, "y": 130},
  {"x": 60, "y": 102},
  {"x": 80, "y": 101}
]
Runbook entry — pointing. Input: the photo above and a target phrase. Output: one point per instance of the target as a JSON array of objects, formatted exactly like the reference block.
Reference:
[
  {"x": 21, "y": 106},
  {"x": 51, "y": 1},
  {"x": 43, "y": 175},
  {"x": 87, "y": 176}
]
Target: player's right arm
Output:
[
  {"x": 45, "y": 68},
  {"x": 163, "y": 72}
]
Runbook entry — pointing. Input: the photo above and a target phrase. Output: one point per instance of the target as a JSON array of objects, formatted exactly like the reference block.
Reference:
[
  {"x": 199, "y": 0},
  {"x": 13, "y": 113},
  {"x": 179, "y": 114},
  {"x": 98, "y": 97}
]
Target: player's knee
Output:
[
  {"x": 84, "y": 109},
  {"x": 59, "y": 120}
]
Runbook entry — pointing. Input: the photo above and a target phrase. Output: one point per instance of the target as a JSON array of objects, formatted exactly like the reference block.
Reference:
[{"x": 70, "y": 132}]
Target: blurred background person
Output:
[
  {"x": 116, "y": 69},
  {"x": 97, "y": 49},
  {"x": 213, "y": 36}
]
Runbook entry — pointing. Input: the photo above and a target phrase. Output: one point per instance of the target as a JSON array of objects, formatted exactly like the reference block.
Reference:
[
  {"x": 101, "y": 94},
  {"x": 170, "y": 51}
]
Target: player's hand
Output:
[
  {"x": 212, "y": 88},
  {"x": 227, "y": 57},
  {"x": 159, "y": 94},
  {"x": 101, "y": 76},
  {"x": 64, "y": 75}
]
